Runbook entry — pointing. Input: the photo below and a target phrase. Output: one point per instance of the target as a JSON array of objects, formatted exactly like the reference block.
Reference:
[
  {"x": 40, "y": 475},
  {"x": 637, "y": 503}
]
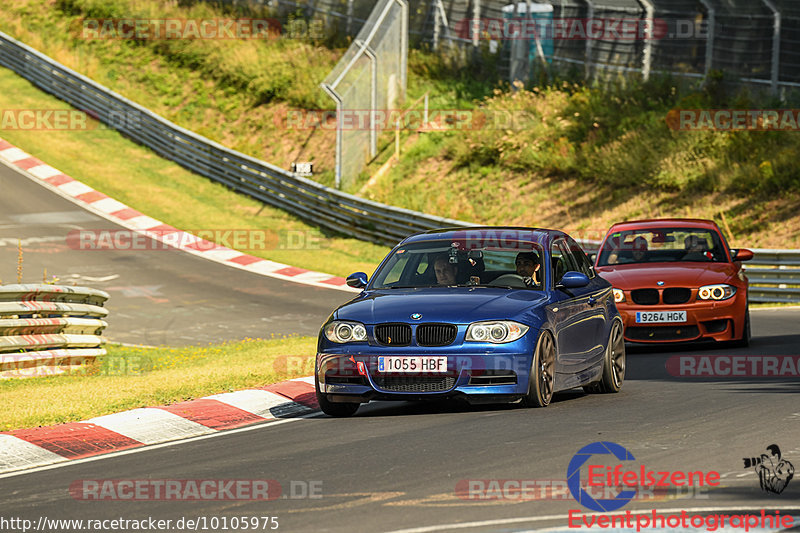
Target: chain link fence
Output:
[
  {"x": 751, "y": 41},
  {"x": 367, "y": 84}
]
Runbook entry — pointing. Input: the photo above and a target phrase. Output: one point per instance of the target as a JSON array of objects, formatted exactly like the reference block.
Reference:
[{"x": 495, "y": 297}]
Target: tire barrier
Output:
[{"x": 47, "y": 330}]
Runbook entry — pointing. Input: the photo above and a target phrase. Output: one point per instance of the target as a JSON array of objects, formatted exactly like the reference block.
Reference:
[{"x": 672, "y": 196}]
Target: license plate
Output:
[
  {"x": 412, "y": 364},
  {"x": 649, "y": 317}
]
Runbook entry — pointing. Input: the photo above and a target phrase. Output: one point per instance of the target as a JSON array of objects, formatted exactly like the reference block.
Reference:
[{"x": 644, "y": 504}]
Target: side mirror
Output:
[
  {"x": 743, "y": 254},
  {"x": 573, "y": 280},
  {"x": 357, "y": 280}
]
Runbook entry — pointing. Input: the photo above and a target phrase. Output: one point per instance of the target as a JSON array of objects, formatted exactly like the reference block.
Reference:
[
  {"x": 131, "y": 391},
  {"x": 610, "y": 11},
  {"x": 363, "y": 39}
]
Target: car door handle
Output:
[{"x": 592, "y": 300}]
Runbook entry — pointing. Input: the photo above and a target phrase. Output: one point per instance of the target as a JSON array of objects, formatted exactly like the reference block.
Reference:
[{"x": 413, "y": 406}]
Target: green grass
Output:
[{"x": 131, "y": 377}]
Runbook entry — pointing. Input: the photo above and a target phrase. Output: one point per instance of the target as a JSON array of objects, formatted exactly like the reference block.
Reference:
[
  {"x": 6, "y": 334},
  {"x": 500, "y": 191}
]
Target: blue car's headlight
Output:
[
  {"x": 498, "y": 331},
  {"x": 341, "y": 332}
]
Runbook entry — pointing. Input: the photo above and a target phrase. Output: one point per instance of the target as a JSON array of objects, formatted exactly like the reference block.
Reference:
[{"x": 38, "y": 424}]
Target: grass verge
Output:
[{"x": 131, "y": 377}]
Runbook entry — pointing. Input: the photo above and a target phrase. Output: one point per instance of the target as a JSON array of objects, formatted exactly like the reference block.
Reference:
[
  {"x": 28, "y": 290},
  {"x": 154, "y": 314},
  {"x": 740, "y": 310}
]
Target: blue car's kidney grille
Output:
[
  {"x": 393, "y": 334},
  {"x": 436, "y": 334},
  {"x": 415, "y": 383}
]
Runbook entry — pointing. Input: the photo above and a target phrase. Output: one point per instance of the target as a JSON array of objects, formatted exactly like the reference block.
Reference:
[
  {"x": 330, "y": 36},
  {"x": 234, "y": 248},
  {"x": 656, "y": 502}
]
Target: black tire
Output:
[
  {"x": 614, "y": 363},
  {"x": 541, "y": 381},
  {"x": 335, "y": 409},
  {"x": 744, "y": 342}
]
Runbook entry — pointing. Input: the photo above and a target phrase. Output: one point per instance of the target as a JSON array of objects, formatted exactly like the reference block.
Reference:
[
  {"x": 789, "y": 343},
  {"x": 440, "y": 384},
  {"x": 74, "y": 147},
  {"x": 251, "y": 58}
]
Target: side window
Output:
[
  {"x": 561, "y": 260},
  {"x": 581, "y": 261}
]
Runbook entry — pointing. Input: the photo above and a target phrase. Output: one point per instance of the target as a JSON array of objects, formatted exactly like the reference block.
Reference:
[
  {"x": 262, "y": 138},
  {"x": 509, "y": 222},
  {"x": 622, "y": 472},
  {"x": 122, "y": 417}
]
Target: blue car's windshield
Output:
[{"x": 444, "y": 263}]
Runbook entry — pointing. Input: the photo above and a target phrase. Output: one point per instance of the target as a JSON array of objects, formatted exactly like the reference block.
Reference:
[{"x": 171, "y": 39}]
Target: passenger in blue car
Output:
[{"x": 528, "y": 267}]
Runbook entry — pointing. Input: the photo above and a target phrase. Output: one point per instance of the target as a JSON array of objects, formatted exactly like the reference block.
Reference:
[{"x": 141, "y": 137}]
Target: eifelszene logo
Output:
[
  {"x": 773, "y": 472},
  {"x": 629, "y": 481}
]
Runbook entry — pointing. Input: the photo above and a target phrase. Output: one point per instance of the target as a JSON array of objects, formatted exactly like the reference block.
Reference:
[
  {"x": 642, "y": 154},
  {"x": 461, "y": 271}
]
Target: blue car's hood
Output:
[{"x": 458, "y": 305}]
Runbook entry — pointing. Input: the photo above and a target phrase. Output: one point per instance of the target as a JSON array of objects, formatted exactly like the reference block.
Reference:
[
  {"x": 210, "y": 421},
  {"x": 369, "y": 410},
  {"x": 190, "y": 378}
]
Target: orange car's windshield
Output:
[{"x": 662, "y": 245}]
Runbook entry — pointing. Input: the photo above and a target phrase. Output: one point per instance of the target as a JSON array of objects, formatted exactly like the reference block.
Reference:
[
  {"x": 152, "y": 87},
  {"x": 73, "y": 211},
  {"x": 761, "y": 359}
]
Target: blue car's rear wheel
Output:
[
  {"x": 337, "y": 409},
  {"x": 541, "y": 381},
  {"x": 613, "y": 364}
]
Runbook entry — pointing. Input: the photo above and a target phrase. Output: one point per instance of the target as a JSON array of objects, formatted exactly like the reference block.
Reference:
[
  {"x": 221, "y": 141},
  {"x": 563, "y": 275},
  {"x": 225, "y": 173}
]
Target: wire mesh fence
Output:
[
  {"x": 751, "y": 41},
  {"x": 367, "y": 83}
]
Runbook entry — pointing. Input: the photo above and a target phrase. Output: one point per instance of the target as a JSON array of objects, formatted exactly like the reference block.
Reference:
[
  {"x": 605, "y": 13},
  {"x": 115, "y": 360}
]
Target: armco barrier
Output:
[
  {"x": 304, "y": 198},
  {"x": 49, "y": 329}
]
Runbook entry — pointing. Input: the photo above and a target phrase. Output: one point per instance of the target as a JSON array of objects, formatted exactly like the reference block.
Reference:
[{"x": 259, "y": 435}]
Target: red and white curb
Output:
[
  {"x": 23, "y": 449},
  {"x": 119, "y": 213}
]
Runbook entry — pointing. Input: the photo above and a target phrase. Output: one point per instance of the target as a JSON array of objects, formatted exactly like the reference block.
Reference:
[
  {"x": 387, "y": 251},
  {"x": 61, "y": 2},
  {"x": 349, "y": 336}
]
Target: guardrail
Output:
[
  {"x": 304, "y": 198},
  {"x": 774, "y": 276},
  {"x": 49, "y": 329}
]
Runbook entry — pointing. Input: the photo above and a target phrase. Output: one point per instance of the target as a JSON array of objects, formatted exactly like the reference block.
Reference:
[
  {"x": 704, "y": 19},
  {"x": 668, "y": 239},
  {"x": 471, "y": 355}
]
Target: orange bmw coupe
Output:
[{"x": 676, "y": 280}]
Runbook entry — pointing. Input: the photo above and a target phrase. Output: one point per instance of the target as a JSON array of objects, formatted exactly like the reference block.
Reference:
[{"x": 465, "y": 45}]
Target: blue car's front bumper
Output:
[{"x": 354, "y": 376}]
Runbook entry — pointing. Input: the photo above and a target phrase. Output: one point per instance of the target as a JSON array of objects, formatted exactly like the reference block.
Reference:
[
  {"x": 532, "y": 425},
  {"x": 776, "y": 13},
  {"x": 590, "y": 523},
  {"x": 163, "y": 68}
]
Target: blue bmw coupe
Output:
[{"x": 490, "y": 314}]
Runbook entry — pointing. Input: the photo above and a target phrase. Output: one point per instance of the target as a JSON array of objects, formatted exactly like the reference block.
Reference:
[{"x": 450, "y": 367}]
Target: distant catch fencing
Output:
[{"x": 49, "y": 329}]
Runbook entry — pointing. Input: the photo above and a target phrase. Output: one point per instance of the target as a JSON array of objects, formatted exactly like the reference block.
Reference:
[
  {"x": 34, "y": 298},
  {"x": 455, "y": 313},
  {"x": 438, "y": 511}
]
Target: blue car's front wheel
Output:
[
  {"x": 541, "y": 381},
  {"x": 336, "y": 409}
]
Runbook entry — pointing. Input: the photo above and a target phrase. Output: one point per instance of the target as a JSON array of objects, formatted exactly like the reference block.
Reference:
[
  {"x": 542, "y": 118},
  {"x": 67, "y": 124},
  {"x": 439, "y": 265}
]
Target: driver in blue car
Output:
[
  {"x": 528, "y": 267},
  {"x": 445, "y": 270}
]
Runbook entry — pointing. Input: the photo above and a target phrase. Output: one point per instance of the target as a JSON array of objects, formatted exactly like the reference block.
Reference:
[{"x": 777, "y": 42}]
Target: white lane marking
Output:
[
  {"x": 44, "y": 171},
  {"x": 662, "y": 510},
  {"x": 110, "y": 455},
  {"x": 7, "y": 241},
  {"x": 15, "y": 452},
  {"x": 305, "y": 379},
  {"x": 54, "y": 218},
  {"x": 13, "y": 155},
  {"x": 150, "y": 426}
]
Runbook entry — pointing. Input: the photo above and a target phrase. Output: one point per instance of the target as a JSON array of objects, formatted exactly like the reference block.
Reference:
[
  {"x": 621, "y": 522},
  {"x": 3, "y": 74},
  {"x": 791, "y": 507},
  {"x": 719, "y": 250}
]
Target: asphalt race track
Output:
[
  {"x": 158, "y": 297},
  {"x": 396, "y": 466}
]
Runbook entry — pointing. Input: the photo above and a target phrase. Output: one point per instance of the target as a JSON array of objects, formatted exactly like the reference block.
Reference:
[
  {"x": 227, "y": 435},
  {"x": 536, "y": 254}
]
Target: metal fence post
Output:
[
  {"x": 437, "y": 20},
  {"x": 349, "y": 17},
  {"x": 476, "y": 22},
  {"x": 776, "y": 45},
  {"x": 404, "y": 46},
  {"x": 373, "y": 97},
  {"x": 589, "y": 18},
  {"x": 339, "y": 124},
  {"x": 647, "y": 53},
  {"x": 709, "y": 39}
]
